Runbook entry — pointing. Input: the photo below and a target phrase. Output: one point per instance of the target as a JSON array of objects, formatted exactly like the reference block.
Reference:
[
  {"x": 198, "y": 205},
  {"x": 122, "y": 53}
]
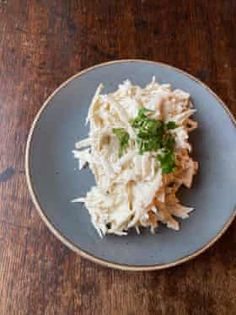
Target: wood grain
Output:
[{"x": 42, "y": 43}]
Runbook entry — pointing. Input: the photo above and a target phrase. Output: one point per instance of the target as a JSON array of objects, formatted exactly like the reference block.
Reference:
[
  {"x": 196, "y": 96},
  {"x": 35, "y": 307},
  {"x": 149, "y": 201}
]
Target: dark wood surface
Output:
[{"x": 42, "y": 43}]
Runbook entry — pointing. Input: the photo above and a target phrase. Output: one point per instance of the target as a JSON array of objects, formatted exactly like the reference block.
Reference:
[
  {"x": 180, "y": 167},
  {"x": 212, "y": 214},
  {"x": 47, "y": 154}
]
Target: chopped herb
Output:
[
  {"x": 143, "y": 111},
  {"x": 167, "y": 161},
  {"x": 141, "y": 118},
  {"x": 148, "y": 145},
  {"x": 153, "y": 135},
  {"x": 168, "y": 142},
  {"x": 123, "y": 138},
  {"x": 171, "y": 125}
]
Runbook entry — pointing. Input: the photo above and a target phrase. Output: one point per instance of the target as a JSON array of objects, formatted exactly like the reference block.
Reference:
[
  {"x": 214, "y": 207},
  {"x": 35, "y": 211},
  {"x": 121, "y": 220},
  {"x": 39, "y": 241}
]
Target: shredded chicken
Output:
[{"x": 132, "y": 190}]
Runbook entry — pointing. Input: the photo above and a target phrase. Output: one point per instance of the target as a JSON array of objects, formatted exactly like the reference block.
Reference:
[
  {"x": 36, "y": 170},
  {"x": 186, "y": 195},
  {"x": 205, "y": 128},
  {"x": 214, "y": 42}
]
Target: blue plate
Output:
[{"x": 54, "y": 180}]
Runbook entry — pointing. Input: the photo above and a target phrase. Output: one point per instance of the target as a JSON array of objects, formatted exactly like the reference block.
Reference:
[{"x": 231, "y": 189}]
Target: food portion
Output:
[{"x": 139, "y": 153}]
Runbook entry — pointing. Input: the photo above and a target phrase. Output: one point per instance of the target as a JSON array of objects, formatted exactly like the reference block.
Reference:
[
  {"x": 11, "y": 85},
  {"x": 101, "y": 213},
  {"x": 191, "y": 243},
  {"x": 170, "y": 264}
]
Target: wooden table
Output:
[{"x": 42, "y": 43}]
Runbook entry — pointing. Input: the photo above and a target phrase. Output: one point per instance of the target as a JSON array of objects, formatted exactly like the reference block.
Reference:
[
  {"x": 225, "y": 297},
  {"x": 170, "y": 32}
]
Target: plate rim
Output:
[{"x": 60, "y": 235}]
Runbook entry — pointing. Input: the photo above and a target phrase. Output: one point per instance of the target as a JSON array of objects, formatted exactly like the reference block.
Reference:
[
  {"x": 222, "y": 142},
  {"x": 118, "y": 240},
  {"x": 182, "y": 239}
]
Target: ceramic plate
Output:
[{"x": 54, "y": 180}]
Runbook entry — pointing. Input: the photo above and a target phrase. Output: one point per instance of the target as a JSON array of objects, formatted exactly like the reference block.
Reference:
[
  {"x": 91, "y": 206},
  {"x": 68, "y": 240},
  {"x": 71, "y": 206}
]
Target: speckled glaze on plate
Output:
[{"x": 54, "y": 180}]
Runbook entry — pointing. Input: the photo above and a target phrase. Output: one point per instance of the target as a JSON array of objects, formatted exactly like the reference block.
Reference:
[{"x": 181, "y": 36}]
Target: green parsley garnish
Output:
[
  {"x": 123, "y": 138},
  {"x": 149, "y": 131},
  {"x": 153, "y": 135},
  {"x": 171, "y": 125},
  {"x": 167, "y": 161}
]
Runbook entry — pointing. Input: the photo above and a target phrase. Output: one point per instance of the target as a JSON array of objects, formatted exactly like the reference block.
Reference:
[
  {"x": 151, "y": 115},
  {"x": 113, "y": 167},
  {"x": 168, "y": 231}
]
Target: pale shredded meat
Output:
[{"x": 131, "y": 190}]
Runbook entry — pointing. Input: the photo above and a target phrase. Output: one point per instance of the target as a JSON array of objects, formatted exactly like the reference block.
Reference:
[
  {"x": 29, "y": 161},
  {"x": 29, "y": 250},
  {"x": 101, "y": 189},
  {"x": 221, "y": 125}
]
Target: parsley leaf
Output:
[
  {"x": 153, "y": 135},
  {"x": 123, "y": 138},
  {"x": 167, "y": 161},
  {"x": 171, "y": 125},
  {"x": 168, "y": 142}
]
